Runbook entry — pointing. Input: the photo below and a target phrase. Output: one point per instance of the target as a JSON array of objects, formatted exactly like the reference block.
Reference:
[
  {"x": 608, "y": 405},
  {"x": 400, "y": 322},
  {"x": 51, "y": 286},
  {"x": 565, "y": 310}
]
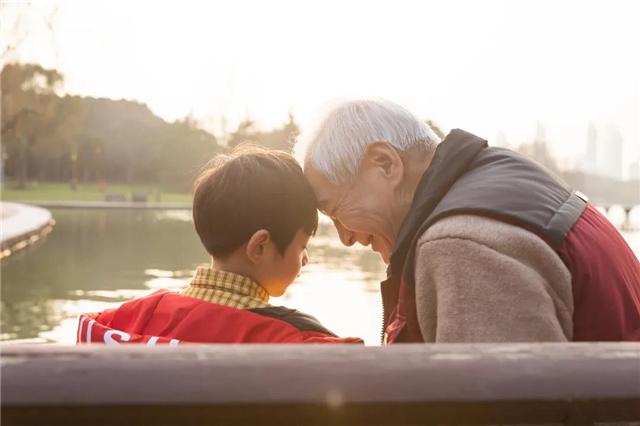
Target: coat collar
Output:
[{"x": 450, "y": 161}]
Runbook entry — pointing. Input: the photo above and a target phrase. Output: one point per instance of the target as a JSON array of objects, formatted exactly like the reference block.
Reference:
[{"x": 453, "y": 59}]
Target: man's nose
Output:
[{"x": 347, "y": 237}]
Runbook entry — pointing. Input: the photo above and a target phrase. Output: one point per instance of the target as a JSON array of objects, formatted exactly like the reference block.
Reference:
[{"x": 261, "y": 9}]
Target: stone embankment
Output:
[{"x": 21, "y": 226}]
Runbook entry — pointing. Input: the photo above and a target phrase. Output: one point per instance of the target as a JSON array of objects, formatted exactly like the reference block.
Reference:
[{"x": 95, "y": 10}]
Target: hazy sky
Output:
[{"x": 484, "y": 66}]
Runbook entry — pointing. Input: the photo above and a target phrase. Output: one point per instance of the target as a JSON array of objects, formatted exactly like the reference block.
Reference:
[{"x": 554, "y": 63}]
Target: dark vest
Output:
[{"x": 466, "y": 176}]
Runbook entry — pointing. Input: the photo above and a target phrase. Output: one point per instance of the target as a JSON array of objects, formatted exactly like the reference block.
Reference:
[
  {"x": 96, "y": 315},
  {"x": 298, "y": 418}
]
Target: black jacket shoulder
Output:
[{"x": 300, "y": 320}]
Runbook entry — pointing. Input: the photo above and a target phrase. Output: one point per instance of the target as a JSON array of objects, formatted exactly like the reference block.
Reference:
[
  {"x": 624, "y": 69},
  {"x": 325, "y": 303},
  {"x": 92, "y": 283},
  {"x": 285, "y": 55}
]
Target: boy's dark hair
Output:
[{"x": 251, "y": 189}]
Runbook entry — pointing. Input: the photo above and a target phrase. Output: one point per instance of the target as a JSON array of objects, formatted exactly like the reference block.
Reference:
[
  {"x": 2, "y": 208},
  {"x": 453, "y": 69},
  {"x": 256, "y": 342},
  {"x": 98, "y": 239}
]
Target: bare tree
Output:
[{"x": 21, "y": 21}]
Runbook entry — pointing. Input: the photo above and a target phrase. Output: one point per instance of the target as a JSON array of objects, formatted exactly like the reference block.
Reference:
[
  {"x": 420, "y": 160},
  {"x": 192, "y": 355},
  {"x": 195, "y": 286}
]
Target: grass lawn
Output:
[{"x": 48, "y": 191}]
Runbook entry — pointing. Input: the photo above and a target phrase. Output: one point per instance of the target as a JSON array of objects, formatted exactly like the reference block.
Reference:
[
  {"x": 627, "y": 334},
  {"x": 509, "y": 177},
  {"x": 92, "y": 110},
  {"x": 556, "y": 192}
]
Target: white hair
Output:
[{"x": 335, "y": 146}]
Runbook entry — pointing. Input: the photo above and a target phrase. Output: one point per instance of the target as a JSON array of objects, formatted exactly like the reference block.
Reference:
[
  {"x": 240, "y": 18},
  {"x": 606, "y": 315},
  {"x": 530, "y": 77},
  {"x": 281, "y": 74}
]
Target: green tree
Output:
[
  {"x": 51, "y": 137},
  {"x": 30, "y": 111},
  {"x": 281, "y": 138}
]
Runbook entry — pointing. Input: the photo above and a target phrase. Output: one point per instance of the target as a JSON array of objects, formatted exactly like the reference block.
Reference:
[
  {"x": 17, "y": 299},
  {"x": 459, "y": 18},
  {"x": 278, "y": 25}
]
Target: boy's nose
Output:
[{"x": 305, "y": 260}]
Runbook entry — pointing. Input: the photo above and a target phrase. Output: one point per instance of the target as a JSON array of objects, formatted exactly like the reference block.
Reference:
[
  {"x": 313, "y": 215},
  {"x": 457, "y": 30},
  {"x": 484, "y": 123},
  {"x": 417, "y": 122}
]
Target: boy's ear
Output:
[{"x": 257, "y": 246}]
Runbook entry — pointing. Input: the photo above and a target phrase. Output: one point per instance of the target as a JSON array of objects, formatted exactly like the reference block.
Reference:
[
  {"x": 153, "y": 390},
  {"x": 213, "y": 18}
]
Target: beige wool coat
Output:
[{"x": 483, "y": 280}]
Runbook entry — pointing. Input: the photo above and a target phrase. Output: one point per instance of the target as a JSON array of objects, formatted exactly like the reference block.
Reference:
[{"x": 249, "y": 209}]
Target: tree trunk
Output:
[
  {"x": 24, "y": 162},
  {"x": 74, "y": 172}
]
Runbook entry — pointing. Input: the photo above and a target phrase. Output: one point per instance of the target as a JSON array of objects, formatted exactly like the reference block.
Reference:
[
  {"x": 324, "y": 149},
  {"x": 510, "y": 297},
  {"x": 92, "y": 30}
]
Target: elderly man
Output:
[{"x": 483, "y": 244}]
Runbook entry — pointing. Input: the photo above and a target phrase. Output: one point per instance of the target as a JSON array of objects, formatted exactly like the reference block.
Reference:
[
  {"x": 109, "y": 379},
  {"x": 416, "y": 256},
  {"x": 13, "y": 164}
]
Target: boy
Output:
[{"x": 254, "y": 212}]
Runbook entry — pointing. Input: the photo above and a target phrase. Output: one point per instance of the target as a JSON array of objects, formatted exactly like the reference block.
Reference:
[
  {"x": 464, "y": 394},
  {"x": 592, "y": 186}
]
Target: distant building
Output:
[
  {"x": 537, "y": 150},
  {"x": 634, "y": 171},
  {"x": 540, "y": 150},
  {"x": 605, "y": 150},
  {"x": 540, "y": 144},
  {"x": 612, "y": 145},
  {"x": 591, "y": 160}
]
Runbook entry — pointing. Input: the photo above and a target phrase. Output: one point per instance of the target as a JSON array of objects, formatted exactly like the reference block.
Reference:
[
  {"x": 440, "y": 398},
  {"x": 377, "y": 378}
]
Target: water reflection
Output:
[{"x": 97, "y": 259}]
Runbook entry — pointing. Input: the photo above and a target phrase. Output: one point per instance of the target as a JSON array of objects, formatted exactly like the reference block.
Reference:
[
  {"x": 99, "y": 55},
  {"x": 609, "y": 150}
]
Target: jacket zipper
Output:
[{"x": 383, "y": 333}]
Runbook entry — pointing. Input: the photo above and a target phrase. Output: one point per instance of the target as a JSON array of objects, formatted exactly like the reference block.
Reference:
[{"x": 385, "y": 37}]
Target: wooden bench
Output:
[{"x": 578, "y": 383}]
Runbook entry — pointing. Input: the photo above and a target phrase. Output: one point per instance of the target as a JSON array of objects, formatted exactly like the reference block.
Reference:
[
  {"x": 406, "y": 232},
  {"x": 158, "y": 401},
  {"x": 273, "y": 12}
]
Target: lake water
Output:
[{"x": 98, "y": 259}]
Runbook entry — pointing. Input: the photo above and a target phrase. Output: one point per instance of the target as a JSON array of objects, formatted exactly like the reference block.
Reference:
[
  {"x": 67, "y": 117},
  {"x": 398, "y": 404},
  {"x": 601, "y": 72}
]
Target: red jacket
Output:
[{"x": 167, "y": 317}]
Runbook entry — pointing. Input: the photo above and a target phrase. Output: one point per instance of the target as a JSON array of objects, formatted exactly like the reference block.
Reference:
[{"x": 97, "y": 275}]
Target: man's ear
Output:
[
  {"x": 383, "y": 157},
  {"x": 257, "y": 246}
]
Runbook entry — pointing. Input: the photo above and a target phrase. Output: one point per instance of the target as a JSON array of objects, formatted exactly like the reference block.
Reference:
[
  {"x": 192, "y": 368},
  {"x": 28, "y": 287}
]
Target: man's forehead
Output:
[{"x": 325, "y": 191}]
